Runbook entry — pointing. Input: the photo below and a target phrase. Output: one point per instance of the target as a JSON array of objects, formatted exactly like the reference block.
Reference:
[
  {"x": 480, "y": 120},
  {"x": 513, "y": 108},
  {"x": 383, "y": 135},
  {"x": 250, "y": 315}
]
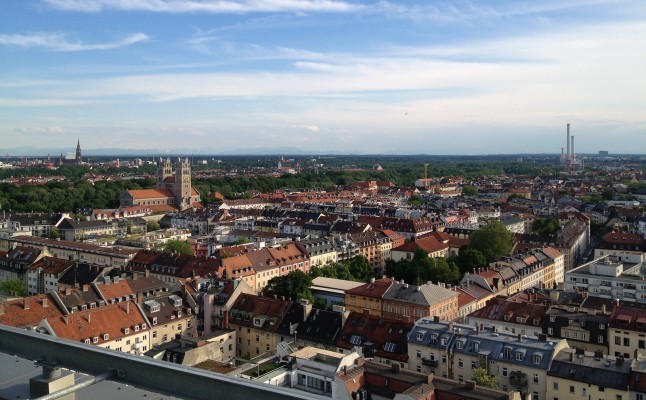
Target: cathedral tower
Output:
[
  {"x": 164, "y": 170},
  {"x": 182, "y": 185},
  {"x": 79, "y": 160}
]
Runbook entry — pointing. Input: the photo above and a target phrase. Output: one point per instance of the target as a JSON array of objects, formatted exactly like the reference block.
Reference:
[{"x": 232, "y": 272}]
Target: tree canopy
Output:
[
  {"x": 179, "y": 246},
  {"x": 14, "y": 286},
  {"x": 493, "y": 240},
  {"x": 293, "y": 286},
  {"x": 422, "y": 269},
  {"x": 482, "y": 378},
  {"x": 546, "y": 226}
]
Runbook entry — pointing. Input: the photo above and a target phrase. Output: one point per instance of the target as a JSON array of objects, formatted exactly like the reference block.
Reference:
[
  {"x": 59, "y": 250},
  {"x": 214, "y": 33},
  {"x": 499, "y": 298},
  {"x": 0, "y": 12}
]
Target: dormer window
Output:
[
  {"x": 434, "y": 339},
  {"x": 519, "y": 356},
  {"x": 136, "y": 328},
  {"x": 106, "y": 336},
  {"x": 537, "y": 358},
  {"x": 506, "y": 352},
  {"x": 95, "y": 339},
  {"x": 143, "y": 326},
  {"x": 87, "y": 341},
  {"x": 155, "y": 321},
  {"x": 420, "y": 336},
  {"x": 126, "y": 330}
]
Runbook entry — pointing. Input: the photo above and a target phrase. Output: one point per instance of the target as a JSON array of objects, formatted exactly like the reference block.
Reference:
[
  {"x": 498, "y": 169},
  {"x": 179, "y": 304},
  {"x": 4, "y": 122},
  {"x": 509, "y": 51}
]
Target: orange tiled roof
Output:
[
  {"x": 150, "y": 193},
  {"x": 29, "y": 311}
]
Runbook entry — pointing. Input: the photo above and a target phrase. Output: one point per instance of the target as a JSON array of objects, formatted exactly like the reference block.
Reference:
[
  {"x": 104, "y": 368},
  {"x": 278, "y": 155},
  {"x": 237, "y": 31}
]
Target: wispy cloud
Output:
[
  {"x": 209, "y": 6},
  {"x": 62, "y": 42}
]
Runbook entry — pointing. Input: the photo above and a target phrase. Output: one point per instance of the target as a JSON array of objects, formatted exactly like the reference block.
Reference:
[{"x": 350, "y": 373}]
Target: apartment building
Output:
[
  {"x": 587, "y": 375},
  {"x": 627, "y": 332},
  {"x": 410, "y": 302},
  {"x": 606, "y": 278},
  {"x": 367, "y": 298}
]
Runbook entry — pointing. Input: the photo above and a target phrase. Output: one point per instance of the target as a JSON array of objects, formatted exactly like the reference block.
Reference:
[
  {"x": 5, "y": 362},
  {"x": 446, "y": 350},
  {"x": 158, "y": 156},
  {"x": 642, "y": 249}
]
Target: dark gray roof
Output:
[
  {"x": 609, "y": 372},
  {"x": 427, "y": 294}
]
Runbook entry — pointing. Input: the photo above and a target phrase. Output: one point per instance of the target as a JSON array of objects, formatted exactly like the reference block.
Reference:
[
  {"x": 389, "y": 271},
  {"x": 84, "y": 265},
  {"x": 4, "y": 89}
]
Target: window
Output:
[
  {"x": 420, "y": 336},
  {"x": 460, "y": 363},
  {"x": 95, "y": 339},
  {"x": 535, "y": 396},
  {"x": 571, "y": 389},
  {"x": 552, "y": 319},
  {"x": 536, "y": 359},
  {"x": 419, "y": 354},
  {"x": 504, "y": 371},
  {"x": 474, "y": 365},
  {"x": 460, "y": 378},
  {"x": 626, "y": 342},
  {"x": 641, "y": 344},
  {"x": 519, "y": 356},
  {"x": 535, "y": 378},
  {"x": 154, "y": 334},
  {"x": 600, "y": 339},
  {"x": 556, "y": 386},
  {"x": 106, "y": 336},
  {"x": 506, "y": 352},
  {"x": 617, "y": 340},
  {"x": 444, "y": 359}
]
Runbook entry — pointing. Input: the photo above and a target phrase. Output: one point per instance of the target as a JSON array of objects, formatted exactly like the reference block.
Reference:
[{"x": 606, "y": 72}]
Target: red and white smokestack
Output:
[{"x": 568, "y": 141}]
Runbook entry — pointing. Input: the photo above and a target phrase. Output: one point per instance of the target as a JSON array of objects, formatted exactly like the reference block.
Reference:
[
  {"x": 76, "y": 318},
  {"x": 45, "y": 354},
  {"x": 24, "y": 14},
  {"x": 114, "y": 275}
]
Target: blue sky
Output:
[{"x": 218, "y": 76}]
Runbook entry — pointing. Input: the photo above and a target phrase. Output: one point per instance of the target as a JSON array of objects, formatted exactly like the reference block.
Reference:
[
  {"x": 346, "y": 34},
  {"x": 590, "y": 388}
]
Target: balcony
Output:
[
  {"x": 518, "y": 379},
  {"x": 428, "y": 362}
]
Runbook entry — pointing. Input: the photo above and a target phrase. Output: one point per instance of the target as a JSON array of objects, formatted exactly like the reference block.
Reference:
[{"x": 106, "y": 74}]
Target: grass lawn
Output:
[
  {"x": 264, "y": 368},
  {"x": 214, "y": 366}
]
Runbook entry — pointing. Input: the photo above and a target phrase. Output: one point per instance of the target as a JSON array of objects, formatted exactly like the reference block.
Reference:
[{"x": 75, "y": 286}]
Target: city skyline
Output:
[{"x": 388, "y": 77}]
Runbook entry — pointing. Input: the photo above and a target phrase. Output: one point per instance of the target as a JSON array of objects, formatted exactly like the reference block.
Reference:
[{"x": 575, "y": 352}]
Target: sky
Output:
[{"x": 323, "y": 76}]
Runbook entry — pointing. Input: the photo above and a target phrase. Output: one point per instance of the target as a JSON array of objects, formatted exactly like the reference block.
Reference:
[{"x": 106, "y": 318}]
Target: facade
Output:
[
  {"x": 256, "y": 320},
  {"x": 367, "y": 298},
  {"x": 332, "y": 291},
  {"x": 82, "y": 252},
  {"x": 521, "y": 363},
  {"x": 606, "y": 278},
  {"x": 321, "y": 252},
  {"x": 627, "y": 332},
  {"x": 584, "y": 331}
]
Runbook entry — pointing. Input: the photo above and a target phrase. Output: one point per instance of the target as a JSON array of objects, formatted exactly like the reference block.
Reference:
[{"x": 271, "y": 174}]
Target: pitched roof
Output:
[
  {"x": 110, "y": 319},
  {"x": 374, "y": 289},
  {"x": 427, "y": 294},
  {"x": 150, "y": 193},
  {"x": 389, "y": 337},
  {"x": 28, "y": 311}
]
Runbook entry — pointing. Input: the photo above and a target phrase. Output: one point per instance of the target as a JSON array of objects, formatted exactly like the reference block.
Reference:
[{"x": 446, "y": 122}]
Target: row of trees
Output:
[{"x": 63, "y": 196}]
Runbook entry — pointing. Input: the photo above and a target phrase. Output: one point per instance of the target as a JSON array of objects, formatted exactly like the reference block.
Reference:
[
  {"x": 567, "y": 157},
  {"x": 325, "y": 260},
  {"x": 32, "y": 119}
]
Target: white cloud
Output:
[
  {"x": 209, "y": 6},
  {"x": 61, "y": 42},
  {"x": 313, "y": 128}
]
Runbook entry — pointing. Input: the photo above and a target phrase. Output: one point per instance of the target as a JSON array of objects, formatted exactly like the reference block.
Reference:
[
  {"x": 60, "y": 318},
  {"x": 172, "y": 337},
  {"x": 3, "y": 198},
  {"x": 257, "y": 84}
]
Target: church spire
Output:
[{"x": 78, "y": 152}]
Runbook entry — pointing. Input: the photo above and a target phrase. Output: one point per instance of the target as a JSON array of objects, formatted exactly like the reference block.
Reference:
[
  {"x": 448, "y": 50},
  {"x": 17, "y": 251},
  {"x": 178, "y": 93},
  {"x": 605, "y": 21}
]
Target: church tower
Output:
[
  {"x": 182, "y": 186},
  {"x": 79, "y": 160},
  {"x": 164, "y": 170}
]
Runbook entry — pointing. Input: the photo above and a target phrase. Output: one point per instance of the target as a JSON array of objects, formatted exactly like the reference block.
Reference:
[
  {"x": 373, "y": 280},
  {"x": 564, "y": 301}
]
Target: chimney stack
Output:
[
  {"x": 25, "y": 303},
  {"x": 45, "y": 304},
  {"x": 567, "y": 142}
]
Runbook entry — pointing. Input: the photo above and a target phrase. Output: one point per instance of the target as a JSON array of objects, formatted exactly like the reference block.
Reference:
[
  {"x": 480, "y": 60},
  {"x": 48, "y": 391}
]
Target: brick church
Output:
[{"x": 173, "y": 192}]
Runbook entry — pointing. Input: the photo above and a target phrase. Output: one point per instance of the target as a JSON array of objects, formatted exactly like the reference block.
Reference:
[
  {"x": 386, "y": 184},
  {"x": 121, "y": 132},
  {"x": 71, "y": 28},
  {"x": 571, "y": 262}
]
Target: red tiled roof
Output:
[
  {"x": 374, "y": 289},
  {"x": 151, "y": 193},
  {"x": 378, "y": 331},
  {"x": 28, "y": 311}
]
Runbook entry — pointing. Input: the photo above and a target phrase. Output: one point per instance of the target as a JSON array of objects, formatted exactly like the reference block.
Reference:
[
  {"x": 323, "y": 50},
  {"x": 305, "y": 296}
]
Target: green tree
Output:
[
  {"x": 493, "y": 240},
  {"x": 179, "y": 246},
  {"x": 14, "y": 287},
  {"x": 152, "y": 226},
  {"x": 469, "y": 259},
  {"x": 608, "y": 194},
  {"x": 415, "y": 201},
  {"x": 468, "y": 190},
  {"x": 293, "y": 286},
  {"x": 482, "y": 378},
  {"x": 242, "y": 240},
  {"x": 546, "y": 226},
  {"x": 54, "y": 233},
  {"x": 360, "y": 269}
]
